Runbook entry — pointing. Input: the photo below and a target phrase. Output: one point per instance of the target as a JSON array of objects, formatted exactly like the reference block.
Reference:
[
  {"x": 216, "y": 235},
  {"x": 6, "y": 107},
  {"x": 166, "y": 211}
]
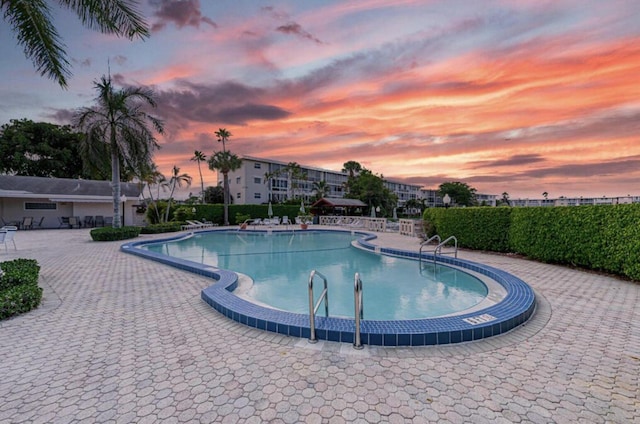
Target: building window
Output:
[
  {"x": 50, "y": 206},
  {"x": 238, "y": 195},
  {"x": 238, "y": 180},
  {"x": 257, "y": 180},
  {"x": 257, "y": 195},
  {"x": 257, "y": 165}
]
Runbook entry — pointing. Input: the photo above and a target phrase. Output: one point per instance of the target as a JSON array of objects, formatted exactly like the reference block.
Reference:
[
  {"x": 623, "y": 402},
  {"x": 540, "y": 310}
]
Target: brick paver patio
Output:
[{"x": 123, "y": 339}]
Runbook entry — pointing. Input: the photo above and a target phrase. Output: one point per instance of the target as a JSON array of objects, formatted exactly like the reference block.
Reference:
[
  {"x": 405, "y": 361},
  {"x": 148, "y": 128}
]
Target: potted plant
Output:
[{"x": 305, "y": 220}]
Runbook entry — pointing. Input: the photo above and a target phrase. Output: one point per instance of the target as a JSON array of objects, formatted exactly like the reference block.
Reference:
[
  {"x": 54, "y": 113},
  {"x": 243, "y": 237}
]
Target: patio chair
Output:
[
  {"x": 74, "y": 222},
  {"x": 108, "y": 221},
  {"x": 88, "y": 221},
  {"x": 27, "y": 223},
  {"x": 64, "y": 221},
  {"x": 7, "y": 234},
  {"x": 99, "y": 221},
  {"x": 275, "y": 220},
  {"x": 39, "y": 223}
]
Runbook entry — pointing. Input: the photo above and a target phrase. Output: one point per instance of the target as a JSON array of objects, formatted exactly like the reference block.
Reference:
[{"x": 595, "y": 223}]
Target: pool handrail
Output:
[
  {"x": 359, "y": 310},
  {"x": 313, "y": 309},
  {"x": 423, "y": 244}
]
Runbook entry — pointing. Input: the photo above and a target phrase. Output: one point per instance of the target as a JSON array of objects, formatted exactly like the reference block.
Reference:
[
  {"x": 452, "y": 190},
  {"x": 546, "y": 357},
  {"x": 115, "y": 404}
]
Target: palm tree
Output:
[
  {"x": 198, "y": 156},
  {"x": 505, "y": 198},
  {"x": 545, "y": 195},
  {"x": 35, "y": 32},
  {"x": 225, "y": 162},
  {"x": 177, "y": 179},
  {"x": 117, "y": 128},
  {"x": 223, "y": 135},
  {"x": 321, "y": 188},
  {"x": 352, "y": 167}
]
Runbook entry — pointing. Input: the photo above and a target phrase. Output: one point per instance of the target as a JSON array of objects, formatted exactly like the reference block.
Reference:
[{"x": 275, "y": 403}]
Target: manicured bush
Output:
[
  {"x": 475, "y": 228},
  {"x": 111, "y": 234},
  {"x": 19, "y": 291},
  {"x": 167, "y": 227},
  {"x": 603, "y": 237}
]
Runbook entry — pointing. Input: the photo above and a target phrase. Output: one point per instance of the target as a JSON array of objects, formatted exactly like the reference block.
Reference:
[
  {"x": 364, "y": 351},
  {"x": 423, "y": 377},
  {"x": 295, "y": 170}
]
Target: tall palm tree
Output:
[
  {"x": 32, "y": 25},
  {"x": 225, "y": 162},
  {"x": 352, "y": 167},
  {"x": 198, "y": 156},
  {"x": 117, "y": 128},
  {"x": 223, "y": 136},
  {"x": 177, "y": 180}
]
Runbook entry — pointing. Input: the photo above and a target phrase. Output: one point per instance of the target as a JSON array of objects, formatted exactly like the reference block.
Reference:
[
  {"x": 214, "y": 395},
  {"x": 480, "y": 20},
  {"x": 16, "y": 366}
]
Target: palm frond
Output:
[
  {"x": 117, "y": 17},
  {"x": 30, "y": 20}
]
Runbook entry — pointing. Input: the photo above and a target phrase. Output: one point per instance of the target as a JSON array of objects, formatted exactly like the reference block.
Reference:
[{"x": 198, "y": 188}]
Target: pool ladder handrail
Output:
[
  {"x": 313, "y": 309},
  {"x": 423, "y": 244},
  {"x": 359, "y": 310},
  {"x": 438, "y": 249}
]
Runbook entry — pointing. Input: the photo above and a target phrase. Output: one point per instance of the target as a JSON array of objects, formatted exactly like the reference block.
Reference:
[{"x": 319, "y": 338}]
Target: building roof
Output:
[
  {"x": 39, "y": 187},
  {"x": 339, "y": 203}
]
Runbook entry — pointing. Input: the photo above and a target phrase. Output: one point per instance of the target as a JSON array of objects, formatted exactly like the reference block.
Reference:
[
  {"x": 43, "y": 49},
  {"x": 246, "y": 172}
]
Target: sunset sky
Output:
[{"x": 524, "y": 96}]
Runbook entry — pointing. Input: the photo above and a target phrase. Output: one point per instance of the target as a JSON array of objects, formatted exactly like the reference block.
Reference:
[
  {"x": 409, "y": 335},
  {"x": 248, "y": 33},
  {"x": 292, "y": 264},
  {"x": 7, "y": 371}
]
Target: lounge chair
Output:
[
  {"x": 88, "y": 221},
  {"x": 275, "y": 220},
  {"x": 7, "y": 234},
  {"x": 285, "y": 220}
]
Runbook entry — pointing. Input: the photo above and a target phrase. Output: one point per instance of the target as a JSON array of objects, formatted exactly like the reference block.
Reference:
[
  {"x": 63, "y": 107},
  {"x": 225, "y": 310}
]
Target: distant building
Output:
[
  {"x": 254, "y": 183},
  {"x": 575, "y": 201}
]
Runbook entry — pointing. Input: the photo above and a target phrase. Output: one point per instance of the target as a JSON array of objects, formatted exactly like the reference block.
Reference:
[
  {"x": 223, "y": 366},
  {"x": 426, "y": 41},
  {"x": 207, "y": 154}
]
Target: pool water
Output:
[{"x": 280, "y": 263}]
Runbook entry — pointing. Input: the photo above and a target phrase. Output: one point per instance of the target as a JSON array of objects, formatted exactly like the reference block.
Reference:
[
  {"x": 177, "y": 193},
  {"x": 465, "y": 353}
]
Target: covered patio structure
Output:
[{"x": 341, "y": 206}]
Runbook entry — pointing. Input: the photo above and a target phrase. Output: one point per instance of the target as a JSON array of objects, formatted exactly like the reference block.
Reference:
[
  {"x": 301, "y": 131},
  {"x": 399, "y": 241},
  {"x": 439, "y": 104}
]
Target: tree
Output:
[
  {"x": 148, "y": 175},
  {"x": 40, "y": 149},
  {"x": 31, "y": 23},
  {"x": 460, "y": 193},
  {"x": 321, "y": 188},
  {"x": 223, "y": 136},
  {"x": 225, "y": 162},
  {"x": 214, "y": 194},
  {"x": 505, "y": 199},
  {"x": 370, "y": 189},
  {"x": 412, "y": 205},
  {"x": 198, "y": 156},
  {"x": 116, "y": 128},
  {"x": 177, "y": 180},
  {"x": 352, "y": 167},
  {"x": 545, "y": 195}
]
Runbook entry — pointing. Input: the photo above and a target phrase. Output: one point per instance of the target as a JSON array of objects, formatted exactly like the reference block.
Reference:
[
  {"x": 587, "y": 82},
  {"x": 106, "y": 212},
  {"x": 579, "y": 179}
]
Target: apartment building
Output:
[{"x": 259, "y": 181}]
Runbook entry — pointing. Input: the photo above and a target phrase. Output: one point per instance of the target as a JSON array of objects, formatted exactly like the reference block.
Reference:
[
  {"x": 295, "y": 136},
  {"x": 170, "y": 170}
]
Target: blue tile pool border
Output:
[{"x": 513, "y": 310}]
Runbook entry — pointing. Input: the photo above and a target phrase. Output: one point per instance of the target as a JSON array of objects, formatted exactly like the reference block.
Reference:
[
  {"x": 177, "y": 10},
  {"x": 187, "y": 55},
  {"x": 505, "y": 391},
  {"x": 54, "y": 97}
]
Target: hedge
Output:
[
  {"x": 166, "y": 227},
  {"x": 475, "y": 228},
  {"x": 110, "y": 234},
  {"x": 19, "y": 291},
  {"x": 603, "y": 237},
  {"x": 215, "y": 213}
]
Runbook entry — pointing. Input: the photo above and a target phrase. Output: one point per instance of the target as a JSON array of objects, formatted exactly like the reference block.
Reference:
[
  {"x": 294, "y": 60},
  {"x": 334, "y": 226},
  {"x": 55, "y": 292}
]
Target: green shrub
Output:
[
  {"x": 603, "y": 237},
  {"x": 19, "y": 291},
  {"x": 475, "y": 228},
  {"x": 167, "y": 227},
  {"x": 110, "y": 234}
]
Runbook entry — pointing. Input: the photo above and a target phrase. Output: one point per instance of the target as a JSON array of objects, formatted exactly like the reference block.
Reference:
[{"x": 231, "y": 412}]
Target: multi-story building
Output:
[
  {"x": 433, "y": 200},
  {"x": 261, "y": 180}
]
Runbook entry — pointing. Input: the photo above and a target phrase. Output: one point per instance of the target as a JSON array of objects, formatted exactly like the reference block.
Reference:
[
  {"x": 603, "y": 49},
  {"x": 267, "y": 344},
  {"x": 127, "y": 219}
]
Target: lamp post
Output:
[{"x": 446, "y": 200}]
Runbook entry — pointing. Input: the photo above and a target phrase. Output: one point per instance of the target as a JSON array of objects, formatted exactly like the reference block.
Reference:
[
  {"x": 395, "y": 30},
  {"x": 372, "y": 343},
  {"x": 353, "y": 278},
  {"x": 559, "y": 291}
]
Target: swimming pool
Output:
[
  {"x": 514, "y": 308},
  {"x": 278, "y": 266}
]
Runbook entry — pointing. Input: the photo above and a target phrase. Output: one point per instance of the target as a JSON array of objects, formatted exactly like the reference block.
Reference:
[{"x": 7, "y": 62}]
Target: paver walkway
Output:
[{"x": 123, "y": 339}]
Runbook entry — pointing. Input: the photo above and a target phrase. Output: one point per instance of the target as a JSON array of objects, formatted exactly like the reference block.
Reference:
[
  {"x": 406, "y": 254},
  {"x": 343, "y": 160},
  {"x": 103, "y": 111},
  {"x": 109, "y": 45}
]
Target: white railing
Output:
[{"x": 355, "y": 222}]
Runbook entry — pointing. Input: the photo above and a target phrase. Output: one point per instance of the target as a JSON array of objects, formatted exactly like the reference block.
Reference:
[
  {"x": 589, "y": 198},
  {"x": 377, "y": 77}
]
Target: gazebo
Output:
[{"x": 341, "y": 206}]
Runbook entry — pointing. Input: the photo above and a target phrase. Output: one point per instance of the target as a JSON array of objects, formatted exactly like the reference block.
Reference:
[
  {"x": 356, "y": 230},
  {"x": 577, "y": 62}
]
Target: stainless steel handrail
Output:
[
  {"x": 313, "y": 309},
  {"x": 438, "y": 249},
  {"x": 359, "y": 309},
  {"x": 423, "y": 244}
]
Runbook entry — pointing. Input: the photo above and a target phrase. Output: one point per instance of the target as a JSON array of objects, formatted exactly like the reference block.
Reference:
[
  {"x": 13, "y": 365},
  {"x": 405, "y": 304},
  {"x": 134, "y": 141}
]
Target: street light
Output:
[{"x": 446, "y": 200}]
